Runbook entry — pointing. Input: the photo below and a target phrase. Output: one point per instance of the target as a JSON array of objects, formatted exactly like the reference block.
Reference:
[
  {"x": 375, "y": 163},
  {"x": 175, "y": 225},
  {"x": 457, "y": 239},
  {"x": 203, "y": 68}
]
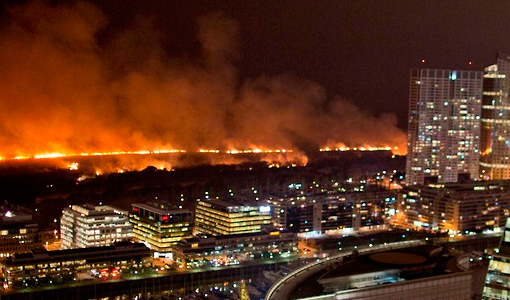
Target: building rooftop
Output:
[
  {"x": 230, "y": 202},
  {"x": 160, "y": 207},
  {"x": 97, "y": 210},
  {"x": 13, "y": 214},
  {"x": 43, "y": 254},
  {"x": 392, "y": 266}
]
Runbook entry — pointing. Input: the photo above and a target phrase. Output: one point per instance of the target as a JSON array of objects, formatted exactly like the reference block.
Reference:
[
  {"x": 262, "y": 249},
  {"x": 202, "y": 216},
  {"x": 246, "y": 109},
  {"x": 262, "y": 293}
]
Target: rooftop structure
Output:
[{"x": 421, "y": 272}]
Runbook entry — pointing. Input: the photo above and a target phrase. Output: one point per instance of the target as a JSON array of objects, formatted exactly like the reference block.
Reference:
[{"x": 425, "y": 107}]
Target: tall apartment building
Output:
[
  {"x": 495, "y": 130},
  {"x": 87, "y": 225},
  {"x": 218, "y": 217},
  {"x": 444, "y": 125},
  {"x": 159, "y": 226}
]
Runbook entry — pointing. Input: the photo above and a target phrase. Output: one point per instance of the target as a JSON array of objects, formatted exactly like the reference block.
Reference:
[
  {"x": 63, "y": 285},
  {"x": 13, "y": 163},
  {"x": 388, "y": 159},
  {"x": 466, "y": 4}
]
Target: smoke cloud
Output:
[{"x": 63, "y": 91}]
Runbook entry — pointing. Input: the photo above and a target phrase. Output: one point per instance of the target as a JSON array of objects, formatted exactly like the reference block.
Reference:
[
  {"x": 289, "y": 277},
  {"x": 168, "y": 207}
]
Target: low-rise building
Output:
[
  {"x": 233, "y": 249},
  {"x": 456, "y": 207},
  {"x": 159, "y": 226},
  {"x": 218, "y": 217},
  {"x": 18, "y": 232},
  {"x": 327, "y": 212},
  {"x": 93, "y": 225},
  {"x": 51, "y": 267}
]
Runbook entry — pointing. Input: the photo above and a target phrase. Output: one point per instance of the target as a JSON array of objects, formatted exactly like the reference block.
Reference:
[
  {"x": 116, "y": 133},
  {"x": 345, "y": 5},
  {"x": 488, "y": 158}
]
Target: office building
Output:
[
  {"x": 218, "y": 217},
  {"x": 444, "y": 125},
  {"x": 18, "y": 232},
  {"x": 88, "y": 225},
  {"x": 457, "y": 207},
  {"x": 160, "y": 226},
  {"x": 495, "y": 130},
  {"x": 497, "y": 281}
]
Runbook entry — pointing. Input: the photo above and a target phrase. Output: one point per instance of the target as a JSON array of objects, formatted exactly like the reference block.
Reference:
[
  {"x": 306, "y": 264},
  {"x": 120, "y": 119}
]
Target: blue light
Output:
[{"x": 454, "y": 75}]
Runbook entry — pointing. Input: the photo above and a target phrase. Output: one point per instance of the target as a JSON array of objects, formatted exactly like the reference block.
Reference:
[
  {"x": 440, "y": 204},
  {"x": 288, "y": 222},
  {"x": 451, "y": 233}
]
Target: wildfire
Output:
[
  {"x": 113, "y": 153},
  {"x": 122, "y": 161},
  {"x": 232, "y": 151},
  {"x": 341, "y": 147}
]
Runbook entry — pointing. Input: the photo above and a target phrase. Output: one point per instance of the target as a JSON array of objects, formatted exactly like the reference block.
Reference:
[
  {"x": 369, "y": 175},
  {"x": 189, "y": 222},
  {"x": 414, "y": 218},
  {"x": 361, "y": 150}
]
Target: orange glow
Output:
[
  {"x": 138, "y": 160},
  {"x": 341, "y": 147},
  {"x": 104, "y": 103}
]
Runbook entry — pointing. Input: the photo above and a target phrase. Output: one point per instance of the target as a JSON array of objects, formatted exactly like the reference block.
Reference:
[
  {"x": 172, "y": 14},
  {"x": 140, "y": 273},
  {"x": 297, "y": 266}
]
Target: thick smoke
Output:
[{"x": 61, "y": 91}]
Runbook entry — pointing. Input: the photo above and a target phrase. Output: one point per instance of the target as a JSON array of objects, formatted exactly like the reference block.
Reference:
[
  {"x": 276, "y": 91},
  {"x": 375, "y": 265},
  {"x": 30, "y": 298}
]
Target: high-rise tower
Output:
[
  {"x": 497, "y": 281},
  {"x": 495, "y": 130},
  {"x": 444, "y": 125}
]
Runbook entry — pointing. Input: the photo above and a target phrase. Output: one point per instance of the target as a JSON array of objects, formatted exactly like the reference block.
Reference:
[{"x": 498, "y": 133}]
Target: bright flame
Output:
[
  {"x": 275, "y": 158},
  {"x": 342, "y": 147},
  {"x": 73, "y": 166}
]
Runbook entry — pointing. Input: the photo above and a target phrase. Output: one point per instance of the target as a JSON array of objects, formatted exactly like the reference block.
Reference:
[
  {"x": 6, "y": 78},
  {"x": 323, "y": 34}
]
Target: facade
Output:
[
  {"x": 159, "y": 226},
  {"x": 233, "y": 249},
  {"x": 444, "y": 125},
  {"x": 87, "y": 225},
  {"x": 495, "y": 126},
  {"x": 52, "y": 267},
  {"x": 18, "y": 232},
  {"x": 218, "y": 217},
  {"x": 323, "y": 213},
  {"x": 457, "y": 207},
  {"x": 497, "y": 281}
]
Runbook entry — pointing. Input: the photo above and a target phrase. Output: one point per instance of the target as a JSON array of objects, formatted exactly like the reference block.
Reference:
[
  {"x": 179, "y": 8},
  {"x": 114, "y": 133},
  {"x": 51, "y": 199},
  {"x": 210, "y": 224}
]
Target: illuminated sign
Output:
[
  {"x": 264, "y": 209},
  {"x": 274, "y": 233}
]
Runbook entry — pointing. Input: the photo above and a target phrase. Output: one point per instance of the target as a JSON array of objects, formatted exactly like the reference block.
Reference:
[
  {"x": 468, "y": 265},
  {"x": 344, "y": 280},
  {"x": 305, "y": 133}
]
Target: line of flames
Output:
[{"x": 167, "y": 151}]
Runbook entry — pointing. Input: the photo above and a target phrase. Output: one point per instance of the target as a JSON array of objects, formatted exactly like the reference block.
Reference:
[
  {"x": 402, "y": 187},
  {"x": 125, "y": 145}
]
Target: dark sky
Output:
[
  {"x": 359, "y": 50},
  {"x": 124, "y": 74}
]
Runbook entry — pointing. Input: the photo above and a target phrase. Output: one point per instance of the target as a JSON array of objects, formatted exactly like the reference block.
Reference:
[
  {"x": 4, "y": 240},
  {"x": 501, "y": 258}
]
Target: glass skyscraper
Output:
[
  {"x": 444, "y": 125},
  {"x": 495, "y": 134}
]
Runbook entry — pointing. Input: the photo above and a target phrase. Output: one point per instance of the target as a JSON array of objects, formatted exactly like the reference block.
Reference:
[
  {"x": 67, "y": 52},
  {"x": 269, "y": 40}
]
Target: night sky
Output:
[
  {"x": 351, "y": 58},
  {"x": 359, "y": 50}
]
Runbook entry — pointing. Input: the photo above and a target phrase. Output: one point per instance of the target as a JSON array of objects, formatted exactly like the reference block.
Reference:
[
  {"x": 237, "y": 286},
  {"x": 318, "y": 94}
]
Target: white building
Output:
[
  {"x": 444, "y": 125},
  {"x": 87, "y": 225}
]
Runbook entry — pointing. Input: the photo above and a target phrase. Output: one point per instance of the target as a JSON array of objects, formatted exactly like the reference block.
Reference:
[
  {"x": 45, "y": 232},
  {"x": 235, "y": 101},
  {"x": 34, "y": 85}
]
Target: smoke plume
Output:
[{"x": 63, "y": 91}]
